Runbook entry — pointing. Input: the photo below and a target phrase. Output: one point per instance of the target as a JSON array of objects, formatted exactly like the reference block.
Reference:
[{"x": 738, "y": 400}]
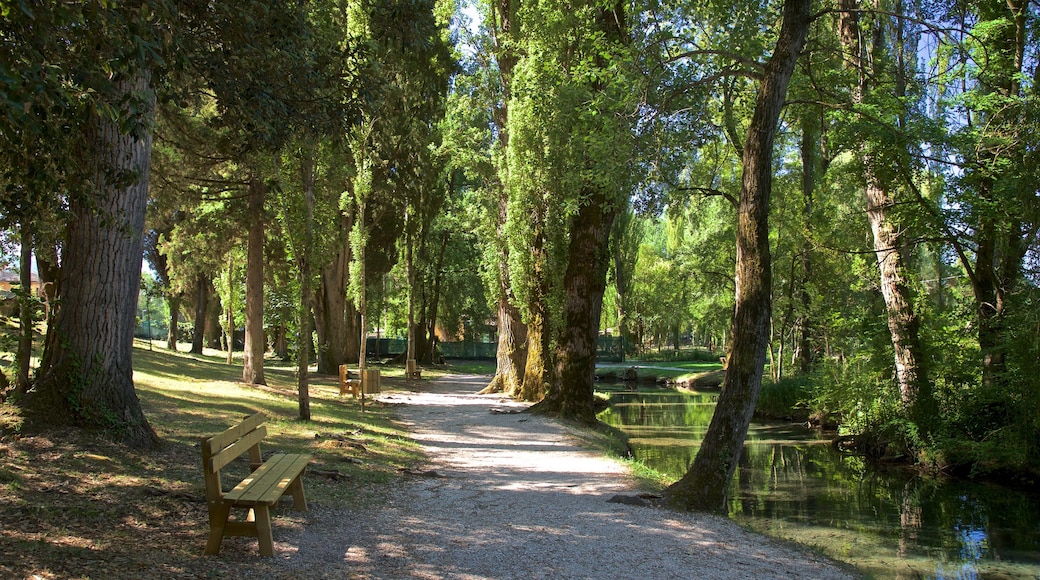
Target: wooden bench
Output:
[
  {"x": 258, "y": 492},
  {"x": 347, "y": 384}
]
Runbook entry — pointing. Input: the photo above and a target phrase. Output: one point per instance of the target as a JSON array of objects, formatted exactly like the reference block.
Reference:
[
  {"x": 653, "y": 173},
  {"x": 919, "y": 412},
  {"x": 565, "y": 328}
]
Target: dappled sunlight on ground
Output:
[{"x": 512, "y": 495}]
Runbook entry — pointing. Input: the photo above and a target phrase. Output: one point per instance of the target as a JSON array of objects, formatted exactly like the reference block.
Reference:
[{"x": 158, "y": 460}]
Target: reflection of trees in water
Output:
[
  {"x": 801, "y": 482},
  {"x": 909, "y": 518}
]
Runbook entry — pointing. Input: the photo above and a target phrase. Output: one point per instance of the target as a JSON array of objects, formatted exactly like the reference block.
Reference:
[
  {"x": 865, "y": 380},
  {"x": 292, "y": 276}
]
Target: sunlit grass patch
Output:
[{"x": 76, "y": 504}]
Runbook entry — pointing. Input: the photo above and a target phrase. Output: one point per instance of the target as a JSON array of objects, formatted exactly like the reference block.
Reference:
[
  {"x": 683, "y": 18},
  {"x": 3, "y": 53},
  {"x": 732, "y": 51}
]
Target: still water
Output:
[{"x": 795, "y": 485}]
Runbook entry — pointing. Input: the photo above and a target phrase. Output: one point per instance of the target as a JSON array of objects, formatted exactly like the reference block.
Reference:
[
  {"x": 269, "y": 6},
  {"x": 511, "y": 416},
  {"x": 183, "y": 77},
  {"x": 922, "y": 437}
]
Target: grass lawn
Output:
[
  {"x": 73, "y": 504},
  {"x": 651, "y": 371}
]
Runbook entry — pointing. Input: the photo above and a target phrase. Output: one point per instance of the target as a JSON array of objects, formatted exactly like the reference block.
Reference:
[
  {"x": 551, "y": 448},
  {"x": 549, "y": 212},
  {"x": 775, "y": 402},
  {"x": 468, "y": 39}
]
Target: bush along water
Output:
[{"x": 980, "y": 431}]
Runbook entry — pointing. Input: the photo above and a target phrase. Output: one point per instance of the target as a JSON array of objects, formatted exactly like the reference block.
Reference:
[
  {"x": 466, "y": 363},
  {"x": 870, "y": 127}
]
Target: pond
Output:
[{"x": 793, "y": 484}]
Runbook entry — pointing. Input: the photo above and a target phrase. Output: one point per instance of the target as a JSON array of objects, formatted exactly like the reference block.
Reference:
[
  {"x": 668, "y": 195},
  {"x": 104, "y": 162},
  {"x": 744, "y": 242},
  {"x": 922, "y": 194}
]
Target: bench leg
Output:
[
  {"x": 264, "y": 536},
  {"x": 299, "y": 500},
  {"x": 218, "y": 516}
]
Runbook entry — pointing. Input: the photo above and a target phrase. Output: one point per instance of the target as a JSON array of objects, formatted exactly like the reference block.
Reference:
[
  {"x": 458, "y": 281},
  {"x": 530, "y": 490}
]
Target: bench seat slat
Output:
[{"x": 269, "y": 482}]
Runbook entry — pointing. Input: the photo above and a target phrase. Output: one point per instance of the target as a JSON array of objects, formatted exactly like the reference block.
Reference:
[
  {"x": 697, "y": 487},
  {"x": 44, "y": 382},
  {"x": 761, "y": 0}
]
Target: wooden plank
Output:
[
  {"x": 274, "y": 486},
  {"x": 214, "y": 444},
  {"x": 231, "y": 452},
  {"x": 269, "y": 482}
]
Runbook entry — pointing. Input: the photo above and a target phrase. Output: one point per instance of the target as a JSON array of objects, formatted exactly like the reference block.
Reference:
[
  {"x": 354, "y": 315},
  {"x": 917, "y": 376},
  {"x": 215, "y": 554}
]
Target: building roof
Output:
[{"x": 12, "y": 277}]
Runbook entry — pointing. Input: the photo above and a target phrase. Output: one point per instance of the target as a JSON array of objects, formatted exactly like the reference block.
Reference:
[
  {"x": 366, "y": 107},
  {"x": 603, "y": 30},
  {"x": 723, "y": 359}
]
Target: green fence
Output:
[
  {"x": 468, "y": 349},
  {"x": 608, "y": 348}
]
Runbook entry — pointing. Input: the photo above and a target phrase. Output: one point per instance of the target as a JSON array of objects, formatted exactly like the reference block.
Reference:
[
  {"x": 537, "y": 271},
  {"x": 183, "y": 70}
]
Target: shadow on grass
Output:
[{"x": 74, "y": 504}]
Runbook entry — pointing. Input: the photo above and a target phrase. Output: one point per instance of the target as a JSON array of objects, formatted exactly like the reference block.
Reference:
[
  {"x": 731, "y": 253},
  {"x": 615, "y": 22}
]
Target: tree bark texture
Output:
[
  {"x": 538, "y": 369},
  {"x": 255, "y": 344},
  {"x": 330, "y": 310},
  {"x": 511, "y": 356},
  {"x": 1000, "y": 247},
  {"x": 570, "y": 394},
  {"x": 229, "y": 312},
  {"x": 703, "y": 488},
  {"x": 87, "y": 374},
  {"x": 303, "y": 266},
  {"x": 26, "y": 317},
  {"x": 203, "y": 292},
  {"x": 512, "y": 349},
  {"x": 429, "y": 338},
  {"x": 48, "y": 268},
  {"x": 409, "y": 266},
  {"x": 803, "y": 324},
  {"x": 174, "y": 303},
  {"x": 512, "y": 352},
  {"x": 889, "y": 245}
]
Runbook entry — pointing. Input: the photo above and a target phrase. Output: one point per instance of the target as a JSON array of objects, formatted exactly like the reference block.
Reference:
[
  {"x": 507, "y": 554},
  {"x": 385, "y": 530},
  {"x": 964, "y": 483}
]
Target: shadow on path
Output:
[{"x": 515, "y": 497}]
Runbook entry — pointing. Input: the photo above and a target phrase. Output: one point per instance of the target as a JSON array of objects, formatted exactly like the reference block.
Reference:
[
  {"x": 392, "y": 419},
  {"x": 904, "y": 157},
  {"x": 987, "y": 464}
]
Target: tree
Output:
[
  {"x": 704, "y": 485},
  {"x": 889, "y": 244},
  {"x": 995, "y": 201},
  {"x": 506, "y": 48},
  {"x": 86, "y": 373},
  {"x": 160, "y": 264},
  {"x": 625, "y": 239},
  {"x": 87, "y": 368}
]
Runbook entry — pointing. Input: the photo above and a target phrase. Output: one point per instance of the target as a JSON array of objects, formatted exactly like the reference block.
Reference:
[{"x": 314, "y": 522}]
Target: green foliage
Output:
[{"x": 786, "y": 398}]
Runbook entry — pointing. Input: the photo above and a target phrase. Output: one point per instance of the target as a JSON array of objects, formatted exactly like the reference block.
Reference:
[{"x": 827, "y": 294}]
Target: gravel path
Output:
[{"x": 512, "y": 496}]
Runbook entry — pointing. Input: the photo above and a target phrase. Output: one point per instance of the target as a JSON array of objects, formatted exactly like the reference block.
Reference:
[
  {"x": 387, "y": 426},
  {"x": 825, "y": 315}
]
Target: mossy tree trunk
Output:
[{"x": 570, "y": 394}]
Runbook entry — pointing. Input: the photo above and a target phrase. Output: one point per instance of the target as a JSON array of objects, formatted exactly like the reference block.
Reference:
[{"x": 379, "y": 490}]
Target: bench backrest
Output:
[{"x": 221, "y": 449}]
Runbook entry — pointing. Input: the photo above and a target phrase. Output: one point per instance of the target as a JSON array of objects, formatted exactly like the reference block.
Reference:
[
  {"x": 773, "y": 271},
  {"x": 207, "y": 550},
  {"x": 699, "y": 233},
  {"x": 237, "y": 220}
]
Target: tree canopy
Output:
[{"x": 835, "y": 192}]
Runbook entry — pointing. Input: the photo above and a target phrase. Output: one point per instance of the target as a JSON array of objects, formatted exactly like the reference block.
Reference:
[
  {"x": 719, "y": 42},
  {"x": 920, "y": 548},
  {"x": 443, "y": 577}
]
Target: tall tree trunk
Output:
[
  {"x": 229, "y": 312},
  {"x": 303, "y": 264},
  {"x": 203, "y": 291},
  {"x": 253, "y": 353},
  {"x": 430, "y": 330},
  {"x": 704, "y": 485},
  {"x": 571, "y": 392},
  {"x": 174, "y": 302},
  {"x": 211, "y": 328},
  {"x": 1000, "y": 248},
  {"x": 903, "y": 322},
  {"x": 26, "y": 314},
  {"x": 410, "y": 274},
  {"x": 330, "y": 312},
  {"x": 362, "y": 293},
  {"x": 87, "y": 373},
  {"x": 353, "y": 332},
  {"x": 538, "y": 371},
  {"x": 810, "y": 160},
  {"x": 512, "y": 354}
]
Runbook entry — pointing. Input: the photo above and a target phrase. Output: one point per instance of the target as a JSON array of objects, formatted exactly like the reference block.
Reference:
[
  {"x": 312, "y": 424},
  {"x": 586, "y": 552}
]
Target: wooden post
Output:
[
  {"x": 411, "y": 371},
  {"x": 370, "y": 381}
]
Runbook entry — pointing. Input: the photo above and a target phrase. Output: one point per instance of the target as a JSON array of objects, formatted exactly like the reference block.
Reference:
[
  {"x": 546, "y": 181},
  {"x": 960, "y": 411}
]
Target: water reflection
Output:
[{"x": 793, "y": 484}]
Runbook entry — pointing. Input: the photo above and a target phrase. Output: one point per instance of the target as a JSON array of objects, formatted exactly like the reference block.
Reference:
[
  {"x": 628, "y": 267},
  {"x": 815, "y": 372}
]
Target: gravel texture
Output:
[{"x": 513, "y": 496}]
